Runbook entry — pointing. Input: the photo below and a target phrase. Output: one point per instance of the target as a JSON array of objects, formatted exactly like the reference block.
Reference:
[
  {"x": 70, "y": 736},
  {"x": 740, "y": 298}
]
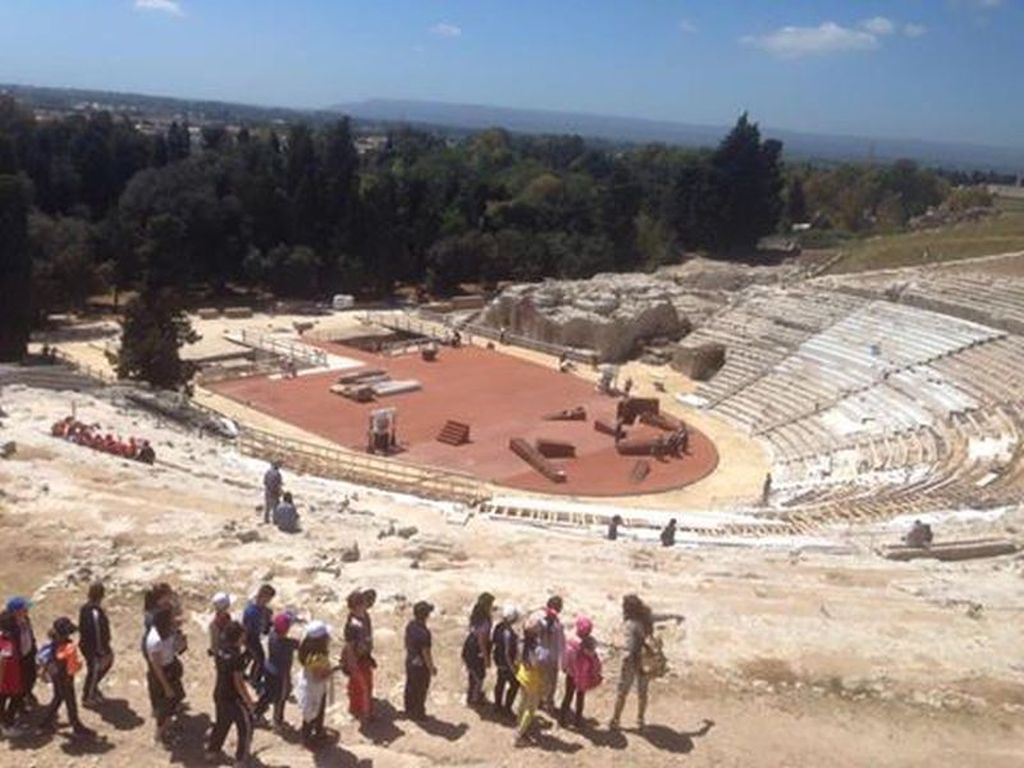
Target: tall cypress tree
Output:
[
  {"x": 15, "y": 269},
  {"x": 155, "y": 326},
  {"x": 748, "y": 179}
]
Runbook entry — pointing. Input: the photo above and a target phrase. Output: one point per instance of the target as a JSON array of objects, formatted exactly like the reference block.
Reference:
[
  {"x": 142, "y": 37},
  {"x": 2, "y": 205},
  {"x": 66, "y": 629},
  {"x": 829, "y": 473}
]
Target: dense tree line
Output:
[
  {"x": 92, "y": 203},
  {"x": 864, "y": 197}
]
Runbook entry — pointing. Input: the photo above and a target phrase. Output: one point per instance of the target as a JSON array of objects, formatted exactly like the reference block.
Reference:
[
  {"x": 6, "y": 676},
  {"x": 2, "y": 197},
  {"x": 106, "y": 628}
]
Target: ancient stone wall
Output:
[{"x": 614, "y": 315}]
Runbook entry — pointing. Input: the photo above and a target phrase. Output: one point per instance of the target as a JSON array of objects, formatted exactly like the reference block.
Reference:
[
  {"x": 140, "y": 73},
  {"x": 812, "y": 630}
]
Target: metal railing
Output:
[
  {"x": 86, "y": 370},
  {"x": 421, "y": 321},
  {"x": 364, "y": 469},
  {"x": 296, "y": 351}
]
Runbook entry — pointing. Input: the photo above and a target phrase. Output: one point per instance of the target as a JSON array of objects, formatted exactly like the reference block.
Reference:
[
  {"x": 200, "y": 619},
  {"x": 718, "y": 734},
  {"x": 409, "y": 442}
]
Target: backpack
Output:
[
  {"x": 653, "y": 662},
  {"x": 46, "y": 660}
]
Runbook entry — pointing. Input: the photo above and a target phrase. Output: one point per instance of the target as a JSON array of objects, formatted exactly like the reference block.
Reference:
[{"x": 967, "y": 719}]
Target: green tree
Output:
[
  {"x": 154, "y": 330},
  {"x": 65, "y": 272},
  {"x": 15, "y": 269},
  {"x": 748, "y": 179}
]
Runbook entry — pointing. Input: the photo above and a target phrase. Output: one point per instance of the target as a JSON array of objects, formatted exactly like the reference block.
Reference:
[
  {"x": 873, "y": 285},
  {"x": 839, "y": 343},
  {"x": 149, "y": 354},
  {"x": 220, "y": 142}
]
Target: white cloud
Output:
[
  {"x": 170, "y": 7},
  {"x": 444, "y": 29},
  {"x": 828, "y": 37},
  {"x": 879, "y": 25},
  {"x": 687, "y": 26},
  {"x": 915, "y": 30}
]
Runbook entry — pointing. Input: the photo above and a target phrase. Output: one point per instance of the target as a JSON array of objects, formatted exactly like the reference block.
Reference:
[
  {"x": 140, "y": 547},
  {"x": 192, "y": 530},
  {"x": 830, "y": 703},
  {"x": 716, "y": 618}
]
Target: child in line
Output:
[
  {"x": 277, "y": 680},
  {"x": 12, "y": 683},
  {"x": 530, "y": 675},
  {"x": 582, "y": 668},
  {"x": 221, "y": 618},
  {"x": 61, "y": 661},
  {"x": 313, "y": 682},
  {"x": 231, "y": 696}
]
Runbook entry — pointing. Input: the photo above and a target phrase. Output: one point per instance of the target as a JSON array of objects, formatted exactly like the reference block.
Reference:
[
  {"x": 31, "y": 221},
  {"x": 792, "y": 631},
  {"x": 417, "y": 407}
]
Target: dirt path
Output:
[{"x": 801, "y": 659}]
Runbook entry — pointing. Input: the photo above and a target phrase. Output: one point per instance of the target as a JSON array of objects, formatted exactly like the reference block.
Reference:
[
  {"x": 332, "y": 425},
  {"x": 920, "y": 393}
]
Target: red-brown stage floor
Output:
[{"x": 500, "y": 397}]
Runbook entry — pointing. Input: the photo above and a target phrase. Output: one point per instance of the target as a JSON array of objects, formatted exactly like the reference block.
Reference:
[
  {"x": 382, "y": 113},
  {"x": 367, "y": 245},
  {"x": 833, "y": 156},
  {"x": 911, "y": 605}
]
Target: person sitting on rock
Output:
[
  {"x": 286, "y": 518},
  {"x": 920, "y": 535},
  {"x": 146, "y": 453}
]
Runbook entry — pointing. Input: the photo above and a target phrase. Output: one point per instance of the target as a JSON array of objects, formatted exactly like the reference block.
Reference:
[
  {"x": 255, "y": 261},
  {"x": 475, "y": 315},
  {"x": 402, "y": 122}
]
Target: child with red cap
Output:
[{"x": 278, "y": 669}]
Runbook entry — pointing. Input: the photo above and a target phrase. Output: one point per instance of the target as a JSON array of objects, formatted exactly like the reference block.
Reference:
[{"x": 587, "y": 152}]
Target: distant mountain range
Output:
[
  {"x": 798, "y": 145},
  {"x": 463, "y": 118}
]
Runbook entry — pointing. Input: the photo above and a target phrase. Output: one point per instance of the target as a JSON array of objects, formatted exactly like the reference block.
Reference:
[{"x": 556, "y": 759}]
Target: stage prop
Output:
[
  {"x": 579, "y": 413},
  {"x": 454, "y": 433},
  {"x": 555, "y": 449},
  {"x": 382, "y": 436},
  {"x": 533, "y": 457}
]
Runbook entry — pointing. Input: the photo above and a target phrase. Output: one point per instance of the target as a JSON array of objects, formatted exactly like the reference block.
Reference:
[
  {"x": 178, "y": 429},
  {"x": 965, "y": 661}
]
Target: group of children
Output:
[
  {"x": 91, "y": 436},
  {"x": 253, "y": 660},
  {"x": 529, "y": 667},
  {"x": 59, "y": 660}
]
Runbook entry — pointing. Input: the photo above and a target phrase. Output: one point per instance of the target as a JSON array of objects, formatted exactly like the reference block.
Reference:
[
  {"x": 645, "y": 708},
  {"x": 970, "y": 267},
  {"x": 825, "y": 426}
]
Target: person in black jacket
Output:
[
  {"x": 94, "y": 629},
  {"x": 61, "y": 661},
  {"x": 231, "y": 697}
]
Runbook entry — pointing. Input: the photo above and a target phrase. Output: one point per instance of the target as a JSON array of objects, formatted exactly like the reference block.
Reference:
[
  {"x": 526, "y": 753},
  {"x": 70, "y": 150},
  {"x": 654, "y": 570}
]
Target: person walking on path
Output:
[
  {"x": 419, "y": 661},
  {"x": 18, "y": 608},
  {"x": 272, "y": 484},
  {"x": 94, "y": 629},
  {"x": 582, "y": 670},
  {"x": 157, "y": 597},
  {"x": 530, "y": 676},
  {"x": 232, "y": 702},
  {"x": 61, "y": 661},
  {"x": 638, "y": 628},
  {"x": 356, "y": 660},
  {"x": 256, "y": 619},
  {"x": 505, "y": 645},
  {"x": 476, "y": 650},
  {"x": 278, "y": 671},
  {"x": 12, "y": 688},
  {"x": 313, "y": 682},
  {"x": 165, "y": 672},
  {"x": 219, "y": 621},
  {"x": 552, "y": 638}
]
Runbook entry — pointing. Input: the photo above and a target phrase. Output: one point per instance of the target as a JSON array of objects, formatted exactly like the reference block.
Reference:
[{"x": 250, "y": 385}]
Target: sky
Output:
[{"x": 933, "y": 69}]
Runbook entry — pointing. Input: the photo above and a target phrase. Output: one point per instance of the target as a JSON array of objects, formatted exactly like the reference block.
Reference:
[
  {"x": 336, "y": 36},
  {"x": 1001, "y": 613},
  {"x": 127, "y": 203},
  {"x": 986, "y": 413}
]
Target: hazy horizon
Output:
[{"x": 914, "y": 71}]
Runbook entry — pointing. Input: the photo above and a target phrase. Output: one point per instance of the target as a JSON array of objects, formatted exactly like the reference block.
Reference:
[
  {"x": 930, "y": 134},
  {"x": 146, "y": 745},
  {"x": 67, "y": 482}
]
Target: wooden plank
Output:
[
  {"x": 607, "y": 428},
  {"x": 579, "y": 413},
  {"x": 533, "y": 457},
  {"x": 555, "y": 449},
  {"x": 640, "y": 471}
]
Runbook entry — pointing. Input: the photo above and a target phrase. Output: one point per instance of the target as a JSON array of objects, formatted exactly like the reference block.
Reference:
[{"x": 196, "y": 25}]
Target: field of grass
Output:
[{"x": 999, "y": 234}]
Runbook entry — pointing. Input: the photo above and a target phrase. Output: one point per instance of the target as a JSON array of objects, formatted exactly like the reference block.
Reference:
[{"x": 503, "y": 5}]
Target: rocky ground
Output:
[{"x": 800, "y": 658}]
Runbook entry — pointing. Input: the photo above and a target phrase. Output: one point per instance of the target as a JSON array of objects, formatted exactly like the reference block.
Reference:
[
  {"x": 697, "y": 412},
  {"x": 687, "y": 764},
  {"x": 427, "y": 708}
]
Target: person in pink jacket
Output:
[{"x": 582, "y": 668}]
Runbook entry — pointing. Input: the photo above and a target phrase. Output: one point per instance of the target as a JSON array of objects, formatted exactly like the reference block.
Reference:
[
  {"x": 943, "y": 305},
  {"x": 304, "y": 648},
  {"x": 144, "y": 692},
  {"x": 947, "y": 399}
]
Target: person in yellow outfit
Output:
[{"x": 530, "y": 675}]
